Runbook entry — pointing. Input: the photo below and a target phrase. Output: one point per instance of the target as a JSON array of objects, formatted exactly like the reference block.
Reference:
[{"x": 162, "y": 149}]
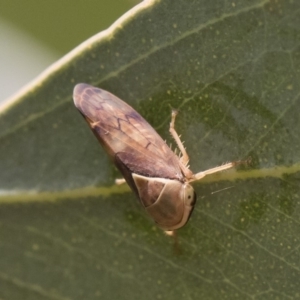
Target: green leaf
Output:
[{"x": 232, "y": 69}]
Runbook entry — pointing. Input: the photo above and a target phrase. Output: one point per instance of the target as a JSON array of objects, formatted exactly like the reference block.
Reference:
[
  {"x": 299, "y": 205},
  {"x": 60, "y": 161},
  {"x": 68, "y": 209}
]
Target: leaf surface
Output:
[{"x": 232, "y": 69}]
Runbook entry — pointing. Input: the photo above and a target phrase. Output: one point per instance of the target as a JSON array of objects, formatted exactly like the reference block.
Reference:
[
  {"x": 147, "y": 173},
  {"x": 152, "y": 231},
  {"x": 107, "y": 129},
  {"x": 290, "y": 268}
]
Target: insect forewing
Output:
[{"x": 125, "y": 134}]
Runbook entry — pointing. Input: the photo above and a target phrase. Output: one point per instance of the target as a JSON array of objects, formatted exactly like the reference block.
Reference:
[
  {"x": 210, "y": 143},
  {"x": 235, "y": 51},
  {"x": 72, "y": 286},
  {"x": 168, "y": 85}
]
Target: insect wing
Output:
[{"x": 131, "y": 142}]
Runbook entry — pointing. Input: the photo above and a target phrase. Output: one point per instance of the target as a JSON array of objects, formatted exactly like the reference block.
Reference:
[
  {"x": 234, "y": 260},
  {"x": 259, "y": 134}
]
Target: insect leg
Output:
[
  {"x": 200, "y": 175},
  {"x": 176, "y": 247},
  {"x": 232, "y": 164},
  {"x": 120, "y": 181},
  {"x": 185, "y": 158}
]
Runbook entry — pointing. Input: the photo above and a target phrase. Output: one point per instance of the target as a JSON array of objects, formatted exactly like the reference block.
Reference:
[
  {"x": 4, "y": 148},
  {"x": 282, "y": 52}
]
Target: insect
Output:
[{"x": 159, "y": 178}]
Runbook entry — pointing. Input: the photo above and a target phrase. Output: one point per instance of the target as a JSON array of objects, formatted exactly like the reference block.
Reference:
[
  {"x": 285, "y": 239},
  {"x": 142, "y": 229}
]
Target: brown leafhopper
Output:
[{"x": 159, "y": 178}]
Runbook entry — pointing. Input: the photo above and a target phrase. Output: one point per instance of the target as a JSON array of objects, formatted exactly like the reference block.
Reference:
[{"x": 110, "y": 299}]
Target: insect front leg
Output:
[{"x": 184, "y": 159}]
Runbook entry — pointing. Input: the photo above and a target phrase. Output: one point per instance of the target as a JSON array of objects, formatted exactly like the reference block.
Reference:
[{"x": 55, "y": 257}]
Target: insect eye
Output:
[{"x": 189, "y": 196}]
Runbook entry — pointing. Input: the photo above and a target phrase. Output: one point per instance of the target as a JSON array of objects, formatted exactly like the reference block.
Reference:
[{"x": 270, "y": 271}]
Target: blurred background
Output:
[{"x": 34, "y": 34}]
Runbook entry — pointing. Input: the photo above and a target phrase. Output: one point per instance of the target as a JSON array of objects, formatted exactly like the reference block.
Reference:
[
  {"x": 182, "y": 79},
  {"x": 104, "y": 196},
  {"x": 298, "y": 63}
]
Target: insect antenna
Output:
[{"x": 227, "y": 188}]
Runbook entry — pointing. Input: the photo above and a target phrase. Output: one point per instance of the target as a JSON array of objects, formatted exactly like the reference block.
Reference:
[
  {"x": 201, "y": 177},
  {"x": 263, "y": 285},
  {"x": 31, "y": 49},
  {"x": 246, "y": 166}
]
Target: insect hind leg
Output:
[{"x": 184, "y": 159}]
